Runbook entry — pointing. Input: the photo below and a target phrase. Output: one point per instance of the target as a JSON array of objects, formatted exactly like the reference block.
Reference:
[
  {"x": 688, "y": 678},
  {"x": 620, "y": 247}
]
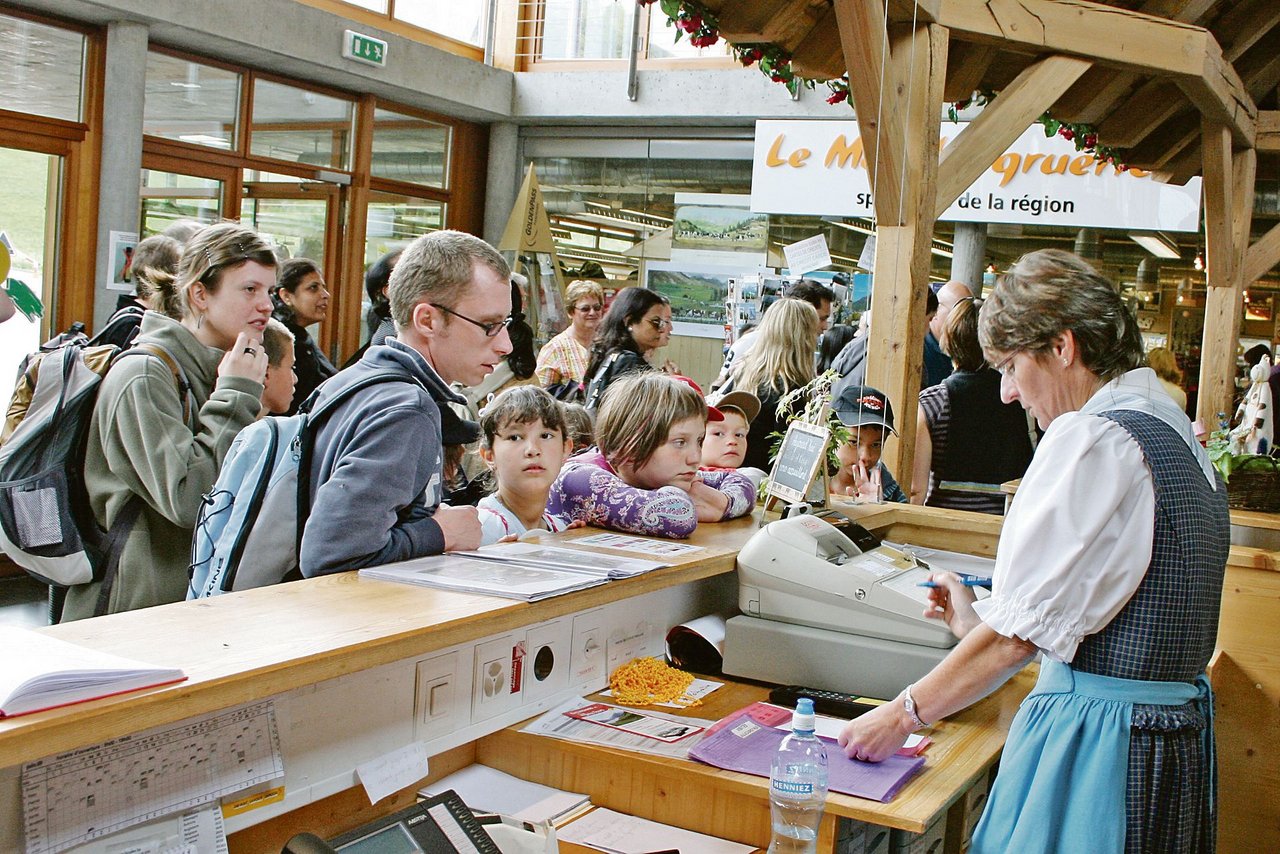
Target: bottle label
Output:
[{"x": 792, "y": 788}]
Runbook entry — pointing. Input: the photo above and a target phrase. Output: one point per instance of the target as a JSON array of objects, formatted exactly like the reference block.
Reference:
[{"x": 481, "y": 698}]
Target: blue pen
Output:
[{"x": 967, "y": 582}]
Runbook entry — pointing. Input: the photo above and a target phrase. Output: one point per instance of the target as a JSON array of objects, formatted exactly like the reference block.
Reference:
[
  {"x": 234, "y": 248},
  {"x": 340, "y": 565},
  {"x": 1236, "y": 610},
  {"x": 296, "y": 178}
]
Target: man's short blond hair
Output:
[{"x": 439, "y": 268}]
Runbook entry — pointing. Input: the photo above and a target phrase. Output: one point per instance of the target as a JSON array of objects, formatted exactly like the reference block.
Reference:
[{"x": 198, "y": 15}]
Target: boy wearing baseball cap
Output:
[
  {"x": 862, "y": 475},
  {"x": 725, "y": 444}
]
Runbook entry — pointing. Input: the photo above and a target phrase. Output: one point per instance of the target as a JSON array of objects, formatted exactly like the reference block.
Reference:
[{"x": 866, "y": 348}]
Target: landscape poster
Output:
[
  {"x": 697, "y": 294},
  {"x": 719, "y": 228}
]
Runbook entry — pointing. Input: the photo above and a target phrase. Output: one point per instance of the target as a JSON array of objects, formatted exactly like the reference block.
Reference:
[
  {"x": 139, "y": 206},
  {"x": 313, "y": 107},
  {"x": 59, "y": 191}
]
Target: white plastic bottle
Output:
[{"x": 798, "y": 786}]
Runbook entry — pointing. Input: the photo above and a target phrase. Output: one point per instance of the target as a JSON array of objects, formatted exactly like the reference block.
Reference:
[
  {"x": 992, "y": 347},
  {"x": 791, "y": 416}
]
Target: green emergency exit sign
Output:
[{"x": 364, "y": 48}]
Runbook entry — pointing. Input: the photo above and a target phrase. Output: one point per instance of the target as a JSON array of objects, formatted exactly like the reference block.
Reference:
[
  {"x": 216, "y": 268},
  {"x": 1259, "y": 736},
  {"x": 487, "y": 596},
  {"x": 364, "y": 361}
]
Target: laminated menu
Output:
[{"x": 743, "y": 743}]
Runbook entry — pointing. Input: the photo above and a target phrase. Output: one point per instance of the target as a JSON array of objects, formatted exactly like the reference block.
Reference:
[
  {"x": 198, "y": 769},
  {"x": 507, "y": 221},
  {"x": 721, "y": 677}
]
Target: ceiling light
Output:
[
  {"x": 1157, "y": 243},
  {"x": 181, "y": 85}
]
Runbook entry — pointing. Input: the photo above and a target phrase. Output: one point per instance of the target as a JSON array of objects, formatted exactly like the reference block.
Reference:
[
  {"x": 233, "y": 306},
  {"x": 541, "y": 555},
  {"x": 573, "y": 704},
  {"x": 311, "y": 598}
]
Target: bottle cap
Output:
[{"x": 802, "y": 719}]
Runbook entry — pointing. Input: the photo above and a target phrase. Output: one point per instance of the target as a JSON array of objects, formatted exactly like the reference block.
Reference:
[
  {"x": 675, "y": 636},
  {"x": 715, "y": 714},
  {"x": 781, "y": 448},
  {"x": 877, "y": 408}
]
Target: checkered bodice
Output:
[{"x": 1167, "y": 631}]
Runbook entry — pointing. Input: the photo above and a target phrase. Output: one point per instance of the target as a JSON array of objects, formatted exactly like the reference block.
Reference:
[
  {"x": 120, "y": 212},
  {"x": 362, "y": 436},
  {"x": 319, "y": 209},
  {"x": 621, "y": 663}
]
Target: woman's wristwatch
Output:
[{"x": 909, "y": 704}]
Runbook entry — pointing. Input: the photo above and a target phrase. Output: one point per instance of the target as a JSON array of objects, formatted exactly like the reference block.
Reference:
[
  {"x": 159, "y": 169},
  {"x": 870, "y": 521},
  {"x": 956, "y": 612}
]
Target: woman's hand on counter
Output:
[{"x": 878, "y": 734}]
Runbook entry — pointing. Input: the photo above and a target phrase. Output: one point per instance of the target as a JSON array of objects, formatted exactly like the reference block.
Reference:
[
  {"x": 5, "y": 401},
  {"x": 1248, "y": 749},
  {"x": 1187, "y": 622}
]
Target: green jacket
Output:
[{"x": 139, "y": 445}]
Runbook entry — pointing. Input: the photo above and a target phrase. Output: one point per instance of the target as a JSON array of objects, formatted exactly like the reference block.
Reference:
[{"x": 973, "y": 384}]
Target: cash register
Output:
[{"x": 820, "y": 610}]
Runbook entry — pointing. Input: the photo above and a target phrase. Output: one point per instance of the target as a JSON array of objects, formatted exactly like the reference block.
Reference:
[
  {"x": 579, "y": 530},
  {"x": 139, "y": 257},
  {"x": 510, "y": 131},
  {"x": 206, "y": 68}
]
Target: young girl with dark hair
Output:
[{"x": 301, "y": 299}]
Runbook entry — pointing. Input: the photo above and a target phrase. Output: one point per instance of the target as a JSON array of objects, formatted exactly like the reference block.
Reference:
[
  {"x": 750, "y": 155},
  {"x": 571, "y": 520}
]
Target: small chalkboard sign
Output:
[{"x": 801, "y": 458}]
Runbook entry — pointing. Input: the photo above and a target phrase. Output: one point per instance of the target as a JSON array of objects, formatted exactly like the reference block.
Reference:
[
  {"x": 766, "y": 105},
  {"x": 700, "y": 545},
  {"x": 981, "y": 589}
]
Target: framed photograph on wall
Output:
[{"x": 697, "y": 294}]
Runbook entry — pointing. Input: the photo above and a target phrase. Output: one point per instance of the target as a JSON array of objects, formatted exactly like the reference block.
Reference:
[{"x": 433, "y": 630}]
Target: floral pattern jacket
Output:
[{"x": 588, "y": 488}]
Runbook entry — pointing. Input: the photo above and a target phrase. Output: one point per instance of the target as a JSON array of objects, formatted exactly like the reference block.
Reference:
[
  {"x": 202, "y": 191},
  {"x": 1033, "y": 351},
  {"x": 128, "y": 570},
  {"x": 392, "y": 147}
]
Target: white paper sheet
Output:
[
  {"x": 393, "y": 771},
  {"x": 490, "y": 790},
  {"x": 640, "y": 545},
  {"x": 619, "y": 833}
]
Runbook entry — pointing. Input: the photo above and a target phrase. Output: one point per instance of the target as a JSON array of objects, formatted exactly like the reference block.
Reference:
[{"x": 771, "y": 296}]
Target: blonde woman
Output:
[
  {"x": 1165, "y": 364},
  {"x": 154, "y": 449},
  {"x": 781, "y": 360}
]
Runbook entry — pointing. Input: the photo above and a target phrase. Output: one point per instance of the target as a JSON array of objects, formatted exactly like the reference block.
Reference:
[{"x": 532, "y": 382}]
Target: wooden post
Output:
[
  {"x": 918, "y": 64},
  {"x": 1228, "y": 194}
]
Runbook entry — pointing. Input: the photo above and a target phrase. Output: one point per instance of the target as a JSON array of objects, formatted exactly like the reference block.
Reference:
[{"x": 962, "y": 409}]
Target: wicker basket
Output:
[{"x": 1255, "y": 490}]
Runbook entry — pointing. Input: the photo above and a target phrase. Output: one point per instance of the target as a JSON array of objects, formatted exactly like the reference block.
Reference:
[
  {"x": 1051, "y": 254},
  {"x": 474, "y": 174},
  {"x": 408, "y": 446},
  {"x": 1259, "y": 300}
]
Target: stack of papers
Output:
[
  {"x": 486, "y": 789},
  {"x": 493, "y": 578},
  {"x": 565, "y": 560}
]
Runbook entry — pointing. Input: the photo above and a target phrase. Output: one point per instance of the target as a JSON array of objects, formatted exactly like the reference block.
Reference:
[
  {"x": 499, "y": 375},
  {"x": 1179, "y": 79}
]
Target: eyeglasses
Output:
[
  {"x": 660, "y": 324},
  {"x": 588, "y": 309},
  {"x": 491, "y": 330},
  {"x": 1005, "y": 366}
]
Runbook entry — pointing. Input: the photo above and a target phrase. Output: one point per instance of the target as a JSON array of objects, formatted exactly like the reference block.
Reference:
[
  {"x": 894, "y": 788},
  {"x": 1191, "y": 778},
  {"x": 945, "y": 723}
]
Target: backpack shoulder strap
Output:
[{"x": 179, "y": 376}]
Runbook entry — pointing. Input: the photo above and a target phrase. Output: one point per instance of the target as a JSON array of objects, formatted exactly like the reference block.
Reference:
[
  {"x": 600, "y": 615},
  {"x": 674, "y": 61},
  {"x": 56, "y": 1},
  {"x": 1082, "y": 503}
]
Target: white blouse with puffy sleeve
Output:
[{"x": 1077, "y": 540}]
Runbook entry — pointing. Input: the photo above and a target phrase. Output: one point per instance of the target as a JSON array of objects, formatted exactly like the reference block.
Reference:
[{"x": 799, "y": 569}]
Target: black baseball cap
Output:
[{"x": 859, "y": 405}]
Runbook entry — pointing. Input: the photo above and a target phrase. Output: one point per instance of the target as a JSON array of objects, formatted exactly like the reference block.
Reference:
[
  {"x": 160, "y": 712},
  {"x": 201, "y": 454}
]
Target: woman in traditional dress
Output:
[{"x": 1110, "y": 564}]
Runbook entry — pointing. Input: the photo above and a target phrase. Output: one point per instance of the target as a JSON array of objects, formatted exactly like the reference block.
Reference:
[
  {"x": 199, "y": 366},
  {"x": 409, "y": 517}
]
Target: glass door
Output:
[
  {"x": 29, "y": 197},
  {"x": 168, "y": 197},
  {"x": 302, "y": 221}
]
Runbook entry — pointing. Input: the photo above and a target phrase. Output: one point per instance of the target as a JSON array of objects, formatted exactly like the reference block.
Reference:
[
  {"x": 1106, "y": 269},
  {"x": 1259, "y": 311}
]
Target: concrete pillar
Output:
[
  {"x": 120, "y": 188},
  {"x": 503, "y": 180},
  {"x": 969, "y": 261}
]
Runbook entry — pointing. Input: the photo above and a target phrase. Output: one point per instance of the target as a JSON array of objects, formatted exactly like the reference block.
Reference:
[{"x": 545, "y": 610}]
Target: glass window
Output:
[
  {"x": 168, "y": 197},
  {"x": 586, "y": 29},
  {"x": 190, "y": 102},
  {"x": 407, "y": 148},
  {"x": 41, "y": 68},
  {"x": 29, "y": 193},
  {"x": 463, "y": 20},
  {"x": 290, "y": 123},
  {"x": 393, "y": 222}
]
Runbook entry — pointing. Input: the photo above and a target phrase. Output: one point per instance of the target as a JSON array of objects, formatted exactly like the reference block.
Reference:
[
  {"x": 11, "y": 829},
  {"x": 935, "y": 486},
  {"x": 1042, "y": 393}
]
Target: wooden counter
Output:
[
  {"x": 254, "y": 644},
  {"x": 736, "y": 806}
]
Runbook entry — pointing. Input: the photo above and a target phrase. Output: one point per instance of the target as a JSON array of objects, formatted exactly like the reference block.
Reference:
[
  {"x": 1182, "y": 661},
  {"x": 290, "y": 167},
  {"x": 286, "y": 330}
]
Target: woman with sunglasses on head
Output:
[
  {"x": 562, "y": 361},
  {"x": 159, "y": 431},
  {"x": 636, "y": 325}
]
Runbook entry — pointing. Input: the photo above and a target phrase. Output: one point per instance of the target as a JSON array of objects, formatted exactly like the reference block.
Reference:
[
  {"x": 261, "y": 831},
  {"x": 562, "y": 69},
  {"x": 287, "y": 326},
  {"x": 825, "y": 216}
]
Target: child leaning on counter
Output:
[{"x": 642, "y": 477}]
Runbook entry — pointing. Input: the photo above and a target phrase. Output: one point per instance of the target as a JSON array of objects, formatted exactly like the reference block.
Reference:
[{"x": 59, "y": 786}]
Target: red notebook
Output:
[{"x": 42, "y": 672}]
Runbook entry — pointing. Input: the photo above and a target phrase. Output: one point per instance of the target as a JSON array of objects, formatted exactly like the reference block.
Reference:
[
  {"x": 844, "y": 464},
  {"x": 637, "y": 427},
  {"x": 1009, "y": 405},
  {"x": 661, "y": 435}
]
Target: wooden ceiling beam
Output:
[
  {"x": 1118, "y": 37},
  {"x": 967, "y": 64},
  {"x": 1155, "y": 102},
  {"x": 765, "y": 20},
  {"x": 1262, "y": 256},
  {"x": 1244, "y": 25},
  {"x": 818, "y": 55},
  {"x": 1002, "y": 122},
  {"x": 918, "y": 11},
  {"x": 1269, "y": 132},
  {"x": 1101, "y": 91}
]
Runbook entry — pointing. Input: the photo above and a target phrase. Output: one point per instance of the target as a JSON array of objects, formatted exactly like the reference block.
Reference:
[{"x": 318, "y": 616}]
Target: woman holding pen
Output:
[{"x": 1110, "y": 564}]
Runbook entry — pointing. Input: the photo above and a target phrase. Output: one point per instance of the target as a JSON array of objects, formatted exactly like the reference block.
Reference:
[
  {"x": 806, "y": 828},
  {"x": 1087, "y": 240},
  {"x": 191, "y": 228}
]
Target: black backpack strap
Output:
[{"x": 112, "y": 547}]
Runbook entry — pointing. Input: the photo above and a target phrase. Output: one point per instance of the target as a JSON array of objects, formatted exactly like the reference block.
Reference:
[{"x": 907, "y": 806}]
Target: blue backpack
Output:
[{"x": 249, "y": 530}]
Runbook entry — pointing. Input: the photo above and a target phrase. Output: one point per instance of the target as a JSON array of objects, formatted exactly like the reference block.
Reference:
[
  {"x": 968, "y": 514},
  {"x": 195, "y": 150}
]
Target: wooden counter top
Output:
[
  {"x": 965, "y": 745},
  {"x": 257, "y": 643}
]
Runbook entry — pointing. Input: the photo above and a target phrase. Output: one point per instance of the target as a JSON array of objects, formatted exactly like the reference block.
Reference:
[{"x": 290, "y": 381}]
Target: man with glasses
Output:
[
  {"x": 562, "y": 361},
  {"x": 379, "y": 457}
]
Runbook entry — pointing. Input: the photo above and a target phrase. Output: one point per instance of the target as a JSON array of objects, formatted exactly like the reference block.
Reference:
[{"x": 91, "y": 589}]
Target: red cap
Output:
[{"x": 713, "y": 414}]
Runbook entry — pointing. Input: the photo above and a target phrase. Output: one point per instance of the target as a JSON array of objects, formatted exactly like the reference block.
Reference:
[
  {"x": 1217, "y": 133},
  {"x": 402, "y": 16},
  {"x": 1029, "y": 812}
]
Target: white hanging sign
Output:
[
  {"x": 819, "y": 168},
  {"x": 807, "y": 255}
]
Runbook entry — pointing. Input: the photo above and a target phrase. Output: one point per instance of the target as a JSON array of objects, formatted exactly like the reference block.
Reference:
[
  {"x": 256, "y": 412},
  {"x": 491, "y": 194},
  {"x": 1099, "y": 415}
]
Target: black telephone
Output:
[{"x": 427, "y": 827}]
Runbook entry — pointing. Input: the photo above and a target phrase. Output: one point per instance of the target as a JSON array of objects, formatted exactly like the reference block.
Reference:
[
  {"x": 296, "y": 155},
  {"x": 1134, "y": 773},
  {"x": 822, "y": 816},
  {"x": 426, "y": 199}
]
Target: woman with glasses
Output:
[
  {"x": 562, "y": 361},
  {"x": 968, "y": 441},
  {"x": 637, "y": 323},
  {"x": 1110, "y": 565}
]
